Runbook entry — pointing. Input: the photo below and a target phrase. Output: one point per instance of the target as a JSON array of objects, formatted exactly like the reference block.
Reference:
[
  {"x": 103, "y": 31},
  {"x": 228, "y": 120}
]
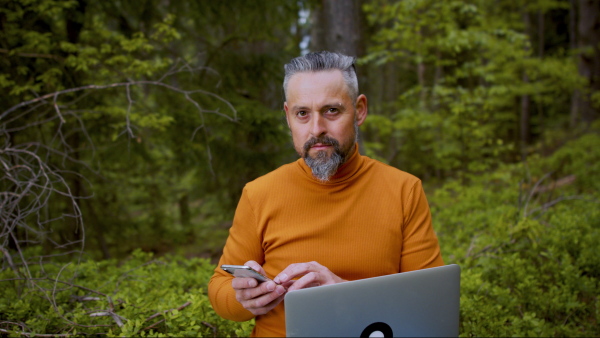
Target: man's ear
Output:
[
  {"x": 362, "y": 109},
  {"x": 287, "y": 119}
]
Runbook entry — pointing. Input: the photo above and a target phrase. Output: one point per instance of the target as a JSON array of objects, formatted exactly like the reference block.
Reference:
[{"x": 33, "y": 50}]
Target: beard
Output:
[{"x": 324, "y": 166}]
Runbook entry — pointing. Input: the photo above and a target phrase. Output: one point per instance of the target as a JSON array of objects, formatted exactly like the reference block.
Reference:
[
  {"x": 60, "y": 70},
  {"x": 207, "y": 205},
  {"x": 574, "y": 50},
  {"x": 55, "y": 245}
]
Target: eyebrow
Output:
[{"x": 329, "y": 105}]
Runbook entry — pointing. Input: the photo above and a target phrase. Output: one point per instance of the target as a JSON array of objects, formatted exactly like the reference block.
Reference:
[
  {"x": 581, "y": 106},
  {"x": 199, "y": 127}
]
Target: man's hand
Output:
[
  {"x": 258, "y": 298},
  {"x": 313, "y": 274}
]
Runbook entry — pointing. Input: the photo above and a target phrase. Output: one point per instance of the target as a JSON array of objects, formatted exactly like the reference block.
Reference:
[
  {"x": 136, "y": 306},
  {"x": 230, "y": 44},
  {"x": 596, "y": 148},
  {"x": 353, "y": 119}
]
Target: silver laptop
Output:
[{"x": 409, "y": 304}]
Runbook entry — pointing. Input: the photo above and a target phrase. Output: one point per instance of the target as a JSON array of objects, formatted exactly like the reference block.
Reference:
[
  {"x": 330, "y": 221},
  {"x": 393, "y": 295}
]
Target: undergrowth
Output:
[{"x": 526, "y": 238}]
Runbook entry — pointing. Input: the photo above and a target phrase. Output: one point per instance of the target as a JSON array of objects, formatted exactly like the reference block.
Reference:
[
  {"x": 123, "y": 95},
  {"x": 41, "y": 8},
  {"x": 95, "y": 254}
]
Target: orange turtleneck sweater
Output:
[{"x": 369, "y": 220}]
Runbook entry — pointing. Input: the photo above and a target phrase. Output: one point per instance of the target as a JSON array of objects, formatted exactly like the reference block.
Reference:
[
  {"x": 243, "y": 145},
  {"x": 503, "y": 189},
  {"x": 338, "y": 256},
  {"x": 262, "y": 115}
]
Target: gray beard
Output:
[{"x": 323, "y": 167}]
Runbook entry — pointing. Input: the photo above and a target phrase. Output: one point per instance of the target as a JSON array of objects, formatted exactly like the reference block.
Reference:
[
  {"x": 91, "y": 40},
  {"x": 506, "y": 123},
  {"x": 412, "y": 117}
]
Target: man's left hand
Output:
[{"x": 311, "y": 274}]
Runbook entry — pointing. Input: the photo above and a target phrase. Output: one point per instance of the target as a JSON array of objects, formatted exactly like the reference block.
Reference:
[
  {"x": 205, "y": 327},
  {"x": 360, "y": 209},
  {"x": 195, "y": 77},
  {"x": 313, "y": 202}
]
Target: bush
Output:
[
  {"x": 142, "y": 297},
  {"x": 525, "y": 238},
  {"x": 528, "y": 251}
]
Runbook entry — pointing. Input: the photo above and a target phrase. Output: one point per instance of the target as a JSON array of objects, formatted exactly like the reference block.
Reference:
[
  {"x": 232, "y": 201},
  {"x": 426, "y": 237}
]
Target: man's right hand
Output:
[{"x": 258, "y": 298}]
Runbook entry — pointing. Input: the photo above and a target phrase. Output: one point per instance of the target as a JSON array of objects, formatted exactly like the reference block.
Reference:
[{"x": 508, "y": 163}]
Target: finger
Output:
[
  {"x": 261, "y": 310},
  {"x": 290, "y": 272},
  {"x": 309, "y": 280},
  {"x": 296, "y": 270},
  {"x": 257, "y": 267},
  {"x": 243, "y": 283},
  {"x": 287, "y": 284},
  {"x": 265, "y": 300},
  {"x": 244, "y": 294}
]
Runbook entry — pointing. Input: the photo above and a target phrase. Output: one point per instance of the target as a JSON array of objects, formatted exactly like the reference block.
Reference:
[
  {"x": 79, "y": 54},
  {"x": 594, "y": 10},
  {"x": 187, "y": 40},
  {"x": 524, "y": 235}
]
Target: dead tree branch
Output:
[
  {"x": 162, "y": 314},
  {"x": 547, "y": 205},
  {"x": 39, "y": 171},
  {"x": 55, "y": 95}
]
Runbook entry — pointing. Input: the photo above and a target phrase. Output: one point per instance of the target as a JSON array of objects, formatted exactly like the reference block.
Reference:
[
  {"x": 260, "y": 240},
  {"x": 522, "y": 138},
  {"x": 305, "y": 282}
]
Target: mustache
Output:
[{"x": 324, "y": 140}]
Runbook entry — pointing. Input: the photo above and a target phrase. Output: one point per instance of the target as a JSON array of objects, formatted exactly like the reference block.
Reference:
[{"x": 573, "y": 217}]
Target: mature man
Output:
[{"x": 331, "y": 216}]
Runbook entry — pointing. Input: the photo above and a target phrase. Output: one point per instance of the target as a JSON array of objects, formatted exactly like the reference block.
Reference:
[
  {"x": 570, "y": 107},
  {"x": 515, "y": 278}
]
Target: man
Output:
[{"x": 331, "y": 216}]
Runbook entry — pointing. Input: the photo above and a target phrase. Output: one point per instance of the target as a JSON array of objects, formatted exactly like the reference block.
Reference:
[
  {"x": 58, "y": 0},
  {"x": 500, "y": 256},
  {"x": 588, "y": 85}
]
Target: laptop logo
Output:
[{"x": 378, "y": 329}]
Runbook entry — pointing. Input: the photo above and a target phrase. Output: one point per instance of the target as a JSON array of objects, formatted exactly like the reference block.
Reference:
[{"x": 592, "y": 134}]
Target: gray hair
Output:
[{"x": 322, "y": 61}]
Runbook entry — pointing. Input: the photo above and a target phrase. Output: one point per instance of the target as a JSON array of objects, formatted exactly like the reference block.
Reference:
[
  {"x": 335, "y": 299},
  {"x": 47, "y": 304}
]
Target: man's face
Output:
[{"x": 320, "y": 114}]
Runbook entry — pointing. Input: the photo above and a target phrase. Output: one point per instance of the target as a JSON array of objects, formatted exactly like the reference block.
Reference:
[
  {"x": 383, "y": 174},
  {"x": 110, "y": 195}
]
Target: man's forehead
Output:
[
  {"x": 317, "y": 83},
  {"x": 316, "y": 74}
]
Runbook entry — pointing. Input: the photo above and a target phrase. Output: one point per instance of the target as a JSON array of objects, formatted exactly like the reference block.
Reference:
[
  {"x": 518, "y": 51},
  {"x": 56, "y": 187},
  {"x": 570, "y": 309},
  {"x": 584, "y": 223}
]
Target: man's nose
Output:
[{"x": 318, "y": 125}]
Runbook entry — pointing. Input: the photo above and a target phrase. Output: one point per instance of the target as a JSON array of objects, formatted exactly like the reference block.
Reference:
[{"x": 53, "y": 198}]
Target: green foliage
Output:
[
  {"x": 182, "y": 108},
  {"x": 465, "y": 66},
  {"x": 177, "y": 114},
  {"x": 141, "y": 296},
  {"x": 528, "y": 258},
  {"x": 528, "y": 255}
]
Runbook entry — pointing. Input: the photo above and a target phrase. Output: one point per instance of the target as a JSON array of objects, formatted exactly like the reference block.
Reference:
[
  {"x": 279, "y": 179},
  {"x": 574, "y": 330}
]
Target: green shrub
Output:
[
  {"x": 139, "y": 297},
  {"x": 527, "y": 249},
  {"x": 528, "y": 255}
]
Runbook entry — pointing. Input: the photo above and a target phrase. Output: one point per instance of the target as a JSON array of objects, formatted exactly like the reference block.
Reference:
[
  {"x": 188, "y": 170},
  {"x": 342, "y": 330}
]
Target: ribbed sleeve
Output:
[{"x": 242, "y": 245}]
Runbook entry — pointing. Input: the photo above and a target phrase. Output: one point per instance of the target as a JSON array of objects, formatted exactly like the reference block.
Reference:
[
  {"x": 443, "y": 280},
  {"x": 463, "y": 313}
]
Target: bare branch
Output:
[
  {"x": 122, "y": 84},
  {"x": 33, "y": 177},
  {"x": 32, "y": 55},
  {"x": 532, "y": 192},
  {"x": 62, "y": 119},
  {"x": 43, "y": 335},
  {"x": 162, "y": 314},
  {"x": 118, "y": 319},
  {"x": 129, "y": 104},
  {"x": 8, "y": 258},
  {"x": 547, "y": 205},
  {"x": 212, "y": 327},
  {"x": 555, "y": 184}
]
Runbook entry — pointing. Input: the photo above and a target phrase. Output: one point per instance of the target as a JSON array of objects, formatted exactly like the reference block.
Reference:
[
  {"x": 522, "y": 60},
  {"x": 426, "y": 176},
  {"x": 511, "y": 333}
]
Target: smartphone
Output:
[{"x": 245, "y": 271}]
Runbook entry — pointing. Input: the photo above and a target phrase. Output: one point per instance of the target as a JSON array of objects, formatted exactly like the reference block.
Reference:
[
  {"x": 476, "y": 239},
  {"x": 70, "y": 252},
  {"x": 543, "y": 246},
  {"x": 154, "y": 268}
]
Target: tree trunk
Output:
[
  {"x": 337, "y": 27},
  {"x": 524, "y": 123},
  {"x": 97, "y": 230},
  {"x": 574, "y": 113},
  {"x": 589, "y": 56},
  {"x": 525, "y": 119},
  {"x": 185, "y": 216},
  {"x": 541, "y": 34}
]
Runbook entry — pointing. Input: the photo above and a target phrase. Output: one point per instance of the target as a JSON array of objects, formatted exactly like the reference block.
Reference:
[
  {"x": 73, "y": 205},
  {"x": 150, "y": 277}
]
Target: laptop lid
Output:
[{"x": 409, "y": 304}]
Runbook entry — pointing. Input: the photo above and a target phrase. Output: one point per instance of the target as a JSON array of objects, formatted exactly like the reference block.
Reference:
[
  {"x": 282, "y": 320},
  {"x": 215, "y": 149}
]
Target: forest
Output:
[{"x": 129, "y": 128}]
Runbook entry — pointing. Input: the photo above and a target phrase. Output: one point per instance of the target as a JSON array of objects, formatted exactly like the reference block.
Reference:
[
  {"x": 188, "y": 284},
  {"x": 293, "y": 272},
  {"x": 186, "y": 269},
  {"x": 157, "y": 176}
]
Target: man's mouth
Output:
[{"x": 320, "y": 146}]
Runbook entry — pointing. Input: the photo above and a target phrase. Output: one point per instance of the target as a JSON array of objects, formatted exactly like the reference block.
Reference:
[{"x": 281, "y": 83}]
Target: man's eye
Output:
[
  {"x": 333, "y": 110},
  {"x": 301, "y": 113}
]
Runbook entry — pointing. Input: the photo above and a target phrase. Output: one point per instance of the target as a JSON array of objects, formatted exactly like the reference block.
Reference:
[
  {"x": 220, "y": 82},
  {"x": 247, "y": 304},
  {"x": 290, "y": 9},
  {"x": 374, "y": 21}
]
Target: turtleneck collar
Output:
[{"x": 344, "y": 173}]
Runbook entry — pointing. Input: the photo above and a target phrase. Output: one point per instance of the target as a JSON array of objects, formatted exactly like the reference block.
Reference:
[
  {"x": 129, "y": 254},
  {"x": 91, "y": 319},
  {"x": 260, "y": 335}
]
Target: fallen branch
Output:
[
  {"x": 162, "y": 314},
  {"x": 525, "y": 213},
  {"x": 27, "y": 334},
  {"x": 553, "y": 202},
  {"x": 555, "y": 184},
  {"x": 212, "y": 327},
  {"x": 118, "y": 319},
  {"x": 45, "y": 335}
]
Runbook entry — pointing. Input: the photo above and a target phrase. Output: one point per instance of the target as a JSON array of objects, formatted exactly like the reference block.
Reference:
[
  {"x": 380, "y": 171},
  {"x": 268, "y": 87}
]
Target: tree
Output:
[
  {"x": 468, "y": 80},
  {"x": 344, "y": 34},
  {"x": 588, "y": 30},
  {"x": 141, "y": 121}
]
